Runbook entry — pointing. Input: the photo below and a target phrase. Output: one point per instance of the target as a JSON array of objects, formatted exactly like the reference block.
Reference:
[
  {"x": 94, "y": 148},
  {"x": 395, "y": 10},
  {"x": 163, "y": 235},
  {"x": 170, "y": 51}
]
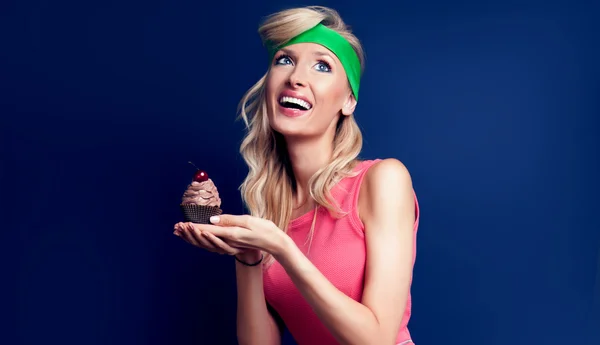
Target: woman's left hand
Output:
[{"x": 247, "y": 232}]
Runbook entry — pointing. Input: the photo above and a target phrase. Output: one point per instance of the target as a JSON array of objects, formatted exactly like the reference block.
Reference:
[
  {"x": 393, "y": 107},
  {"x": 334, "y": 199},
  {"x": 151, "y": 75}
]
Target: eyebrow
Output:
[
  {"x": 315, "y": 53},
  {"x": 322, "y": 54}
]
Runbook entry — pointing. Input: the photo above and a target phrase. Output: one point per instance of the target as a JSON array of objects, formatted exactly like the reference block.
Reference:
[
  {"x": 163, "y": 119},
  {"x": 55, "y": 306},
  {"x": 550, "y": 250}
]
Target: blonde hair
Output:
[{"x": 269, "y": 186}]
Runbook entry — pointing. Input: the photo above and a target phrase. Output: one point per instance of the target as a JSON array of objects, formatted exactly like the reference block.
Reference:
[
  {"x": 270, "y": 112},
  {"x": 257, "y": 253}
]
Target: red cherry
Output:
[{"x": 200, "y": 176}]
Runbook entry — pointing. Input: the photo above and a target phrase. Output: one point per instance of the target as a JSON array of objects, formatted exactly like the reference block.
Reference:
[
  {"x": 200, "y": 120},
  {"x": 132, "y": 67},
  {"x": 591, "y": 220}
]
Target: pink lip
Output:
[
  {"x": 292, "y": 112},
  {"x": 290, "y": 93}
]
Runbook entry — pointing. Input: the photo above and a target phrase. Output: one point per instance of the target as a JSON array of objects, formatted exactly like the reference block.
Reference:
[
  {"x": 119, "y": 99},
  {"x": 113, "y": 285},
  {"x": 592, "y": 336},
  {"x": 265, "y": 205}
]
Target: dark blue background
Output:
[{"x": 493, "y": 106}]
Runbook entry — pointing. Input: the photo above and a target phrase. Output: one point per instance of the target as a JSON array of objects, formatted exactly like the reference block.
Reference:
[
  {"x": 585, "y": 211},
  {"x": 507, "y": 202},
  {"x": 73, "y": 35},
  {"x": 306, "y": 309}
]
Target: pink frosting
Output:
[{"x": 202, "y": 193}]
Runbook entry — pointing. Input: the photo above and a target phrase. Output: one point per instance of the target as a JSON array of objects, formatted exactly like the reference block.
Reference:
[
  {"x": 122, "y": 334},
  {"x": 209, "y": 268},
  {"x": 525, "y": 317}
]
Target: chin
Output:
[
  {"x": 288, "y": 130},
  {"x": 289, "y": 125}
]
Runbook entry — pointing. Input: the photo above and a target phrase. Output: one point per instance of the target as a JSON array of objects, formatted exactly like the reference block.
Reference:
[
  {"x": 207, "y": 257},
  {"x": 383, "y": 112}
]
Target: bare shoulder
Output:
[
  {"x": 387, "y": 186},
  {"x": 389, "y": 170},
  {"x": 386, "y": 178}
]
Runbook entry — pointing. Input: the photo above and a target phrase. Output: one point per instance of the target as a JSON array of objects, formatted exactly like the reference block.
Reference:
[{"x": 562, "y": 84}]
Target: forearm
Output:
[
  {"x": 349, "y": 321},
  {"x": 255, "y": 325}
]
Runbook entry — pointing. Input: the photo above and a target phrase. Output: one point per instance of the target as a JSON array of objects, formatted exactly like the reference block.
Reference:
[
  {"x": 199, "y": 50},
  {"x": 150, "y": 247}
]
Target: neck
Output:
[{"x": 307, "y": 157}]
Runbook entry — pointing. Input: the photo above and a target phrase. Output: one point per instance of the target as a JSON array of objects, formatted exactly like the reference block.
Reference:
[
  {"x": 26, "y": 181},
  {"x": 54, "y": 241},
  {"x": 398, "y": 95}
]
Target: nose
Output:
[{"x": 297, "y": 79}]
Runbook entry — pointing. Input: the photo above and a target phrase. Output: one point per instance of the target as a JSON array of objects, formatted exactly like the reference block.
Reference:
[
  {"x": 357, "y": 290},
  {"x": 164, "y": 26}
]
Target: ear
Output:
[{"x": 349, "y": 105}]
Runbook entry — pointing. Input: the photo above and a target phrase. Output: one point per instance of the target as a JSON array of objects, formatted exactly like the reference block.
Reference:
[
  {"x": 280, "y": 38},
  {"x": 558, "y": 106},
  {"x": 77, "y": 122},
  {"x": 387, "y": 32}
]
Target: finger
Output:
[
  {"x": 187, "y": 236},
  {"x": 179, "y": 228},
  {"x": 205, "y": 243},
  {"x": 233, "y": 233},
  {"x": 229, "y": 233},
  {"x": 243, "y": 221},
  {"x": 199, "y": 236},
  {"x": 194, "y": 237},
  {"x": 221, "y": 244}
]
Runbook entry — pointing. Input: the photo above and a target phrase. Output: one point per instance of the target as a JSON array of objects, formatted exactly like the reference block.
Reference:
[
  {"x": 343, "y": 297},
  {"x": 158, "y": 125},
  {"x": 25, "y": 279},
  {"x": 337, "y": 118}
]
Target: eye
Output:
[
  {"x": 323, "y": 66},
  {"x": 283, "y": 60}
]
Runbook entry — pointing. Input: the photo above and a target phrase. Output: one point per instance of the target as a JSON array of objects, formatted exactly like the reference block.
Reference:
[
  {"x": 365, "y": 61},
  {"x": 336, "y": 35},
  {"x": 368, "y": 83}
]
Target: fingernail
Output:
[
  {"x": 176, "y": 233},
  {"x": 214, "y": 219}
]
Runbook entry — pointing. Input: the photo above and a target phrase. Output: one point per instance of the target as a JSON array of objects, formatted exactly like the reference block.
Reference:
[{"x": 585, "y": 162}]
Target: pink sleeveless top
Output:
[{"x": 338, "y": 250}]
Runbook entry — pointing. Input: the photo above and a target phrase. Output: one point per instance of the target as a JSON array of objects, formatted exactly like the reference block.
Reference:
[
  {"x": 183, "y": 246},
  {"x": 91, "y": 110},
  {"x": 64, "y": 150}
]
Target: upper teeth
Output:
[{"x": 300, "y": 102}]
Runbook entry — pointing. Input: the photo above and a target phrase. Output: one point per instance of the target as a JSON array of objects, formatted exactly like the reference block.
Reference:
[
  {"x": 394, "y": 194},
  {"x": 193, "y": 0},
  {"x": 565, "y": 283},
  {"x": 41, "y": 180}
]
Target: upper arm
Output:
[{"x": 387, "y": 209}]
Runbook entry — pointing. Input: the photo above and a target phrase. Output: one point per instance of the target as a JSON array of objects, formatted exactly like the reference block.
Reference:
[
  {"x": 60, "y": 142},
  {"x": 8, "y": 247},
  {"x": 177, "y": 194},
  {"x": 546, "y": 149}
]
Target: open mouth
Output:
[{"x": 294, "y": 103}]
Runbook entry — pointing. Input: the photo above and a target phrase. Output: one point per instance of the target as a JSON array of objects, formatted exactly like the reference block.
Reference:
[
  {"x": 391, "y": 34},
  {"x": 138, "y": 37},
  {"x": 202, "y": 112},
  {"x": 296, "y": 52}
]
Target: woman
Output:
[{"x": 329, "y": 247}]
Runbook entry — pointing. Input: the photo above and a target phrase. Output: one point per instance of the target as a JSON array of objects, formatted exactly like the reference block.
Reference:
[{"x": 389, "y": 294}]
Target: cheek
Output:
[
  {"x": 269, "y": 87},
  {"x": 331, "y": 95},
  {"x": 274, "y": 81}
]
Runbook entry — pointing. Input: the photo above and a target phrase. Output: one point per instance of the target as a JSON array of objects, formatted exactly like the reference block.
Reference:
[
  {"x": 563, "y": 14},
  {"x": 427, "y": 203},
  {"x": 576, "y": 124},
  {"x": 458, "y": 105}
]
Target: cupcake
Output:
[{"x": 200, "y": 200}]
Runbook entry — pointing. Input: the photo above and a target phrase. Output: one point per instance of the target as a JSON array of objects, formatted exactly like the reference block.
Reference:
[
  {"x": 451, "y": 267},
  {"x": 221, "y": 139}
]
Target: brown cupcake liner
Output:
[{"x": 198, "y": 213}]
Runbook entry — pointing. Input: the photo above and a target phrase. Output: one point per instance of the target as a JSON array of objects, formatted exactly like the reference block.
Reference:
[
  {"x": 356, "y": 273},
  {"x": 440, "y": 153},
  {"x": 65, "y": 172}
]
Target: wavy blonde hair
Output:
[{"x": 270, "y": 185}]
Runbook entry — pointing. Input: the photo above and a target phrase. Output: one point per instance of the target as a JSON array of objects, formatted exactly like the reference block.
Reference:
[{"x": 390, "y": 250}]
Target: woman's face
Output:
[{"x": 307, "y": 91}]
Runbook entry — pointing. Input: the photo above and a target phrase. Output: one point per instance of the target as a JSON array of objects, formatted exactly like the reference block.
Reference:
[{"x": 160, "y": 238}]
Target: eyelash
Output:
[
  {"x": 326, "y": 64},
  {"x": 288, "y": 57},
  {"x": 281, "y": 57}
]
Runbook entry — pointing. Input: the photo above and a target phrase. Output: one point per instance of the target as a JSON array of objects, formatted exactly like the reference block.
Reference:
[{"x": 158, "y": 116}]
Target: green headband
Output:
[{"x": 333, "y": 41}]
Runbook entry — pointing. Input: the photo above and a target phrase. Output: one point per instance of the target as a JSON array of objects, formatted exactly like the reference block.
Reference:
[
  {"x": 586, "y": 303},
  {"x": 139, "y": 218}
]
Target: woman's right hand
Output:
[{"x": 205, "y": 240}]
